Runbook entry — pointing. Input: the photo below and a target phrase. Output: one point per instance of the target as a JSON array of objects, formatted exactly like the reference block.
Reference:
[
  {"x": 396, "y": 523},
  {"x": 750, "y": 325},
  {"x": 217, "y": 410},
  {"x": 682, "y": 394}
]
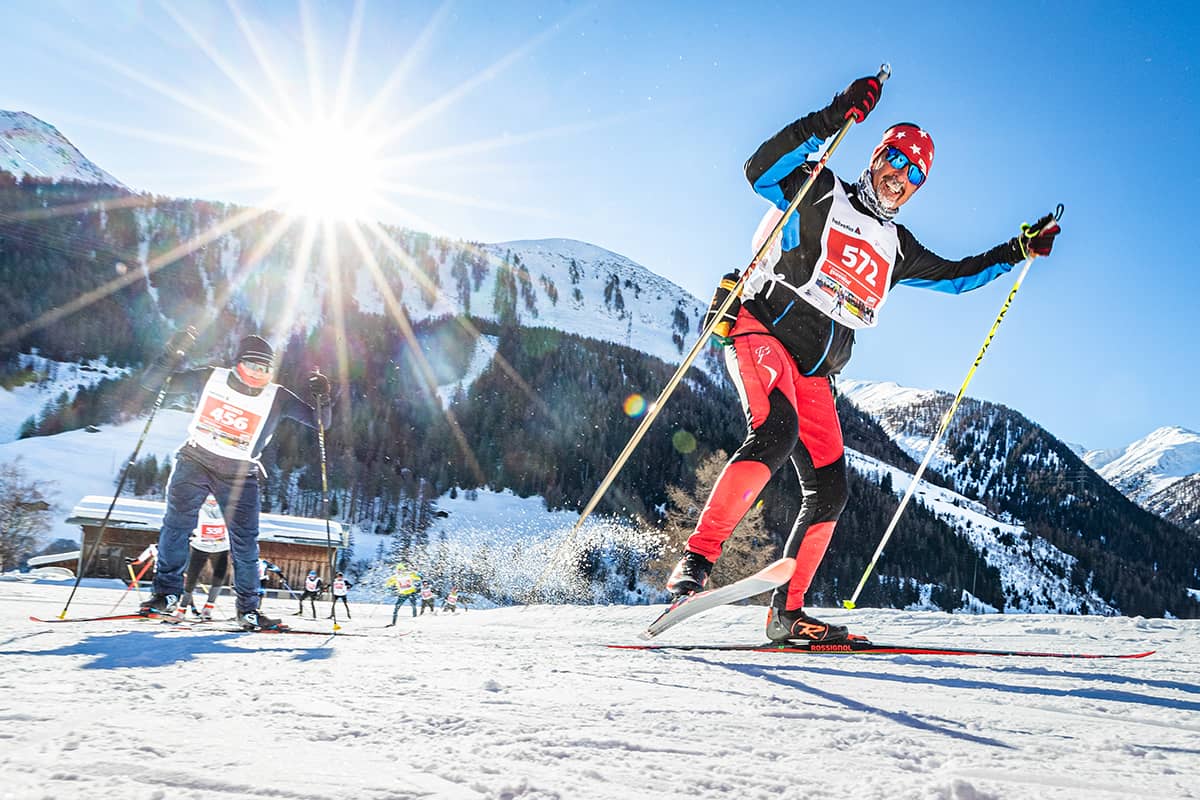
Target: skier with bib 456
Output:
[
  {"x": 794, "y": 327},
  {"x": 235, "y": 418}
]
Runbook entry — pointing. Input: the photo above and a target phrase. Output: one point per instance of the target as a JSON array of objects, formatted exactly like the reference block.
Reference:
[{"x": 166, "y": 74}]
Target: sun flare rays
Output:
[{"x": 328, "y": 158}]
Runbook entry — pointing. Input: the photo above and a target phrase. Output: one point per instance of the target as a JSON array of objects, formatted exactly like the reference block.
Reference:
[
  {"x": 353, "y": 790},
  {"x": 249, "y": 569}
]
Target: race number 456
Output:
[
  {"x": 228, "y": 417},
  {"x": 229, "y": 420}
]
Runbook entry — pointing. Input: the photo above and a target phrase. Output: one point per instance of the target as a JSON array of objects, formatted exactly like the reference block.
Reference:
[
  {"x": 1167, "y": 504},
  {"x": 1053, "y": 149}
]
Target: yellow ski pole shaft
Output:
[
  {"x": 654, "y": 408},
  {"x": 937, "y": 437},
  {"x": 134, "y": 581}
]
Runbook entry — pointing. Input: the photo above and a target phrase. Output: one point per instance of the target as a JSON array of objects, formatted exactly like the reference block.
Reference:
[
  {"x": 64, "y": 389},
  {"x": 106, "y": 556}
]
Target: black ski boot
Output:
[
  {"x": 160, "y": 604},
  {"x": 257, "y": 621},
  {"x": 796, "y": 626},
  {"x": 690, "y": 575}
]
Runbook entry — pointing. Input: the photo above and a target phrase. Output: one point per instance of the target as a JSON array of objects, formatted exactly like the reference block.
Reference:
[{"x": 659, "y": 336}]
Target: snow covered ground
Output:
[
  {"x": 513, "y": 703},
  {"x": 77, "y": 463}
]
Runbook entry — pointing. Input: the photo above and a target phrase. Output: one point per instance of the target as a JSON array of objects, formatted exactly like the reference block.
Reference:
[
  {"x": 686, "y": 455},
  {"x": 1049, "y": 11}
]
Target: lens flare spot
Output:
[
  {"x": 684, "y": 442},
  {"x": 635, "y": 406}
]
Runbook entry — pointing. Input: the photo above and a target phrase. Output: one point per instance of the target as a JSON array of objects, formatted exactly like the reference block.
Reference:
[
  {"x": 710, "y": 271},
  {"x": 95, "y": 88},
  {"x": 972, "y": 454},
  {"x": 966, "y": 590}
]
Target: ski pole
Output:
[
  {"x": 133, "y": 584},
  {"x": 179, "y": 346},
  {"x": 652, "y": 411},
  {"x": 325, "y": 500},
  {"x": 290, "y": 590},
  {"x": 137, "y": 579},
  {"x": 937, "y": 437}
]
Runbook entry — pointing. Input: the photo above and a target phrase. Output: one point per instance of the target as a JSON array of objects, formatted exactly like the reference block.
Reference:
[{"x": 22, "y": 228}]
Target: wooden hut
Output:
[{"x": 295, "y": 544}]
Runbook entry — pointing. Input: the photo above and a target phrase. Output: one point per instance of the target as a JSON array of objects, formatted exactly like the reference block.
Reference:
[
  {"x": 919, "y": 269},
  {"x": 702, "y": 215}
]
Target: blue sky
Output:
[{"x": 626, "y": 125}]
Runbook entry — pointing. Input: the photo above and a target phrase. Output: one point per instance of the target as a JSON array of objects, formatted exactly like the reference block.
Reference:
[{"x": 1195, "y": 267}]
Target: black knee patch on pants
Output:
[
  {"x": 832, "y": 490},
  {"x": 774, "y": 440}
]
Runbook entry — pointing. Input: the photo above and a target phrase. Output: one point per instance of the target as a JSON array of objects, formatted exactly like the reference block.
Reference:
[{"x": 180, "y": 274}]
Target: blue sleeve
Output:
[
  {"x": 767, "y": 184},
  {"x": 925, "y": 269},
  {"x": 781, "y": 156}
]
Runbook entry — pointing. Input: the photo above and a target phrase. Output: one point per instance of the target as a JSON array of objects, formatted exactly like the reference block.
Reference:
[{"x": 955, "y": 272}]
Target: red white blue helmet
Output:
[{"x": 910, "y": 139}]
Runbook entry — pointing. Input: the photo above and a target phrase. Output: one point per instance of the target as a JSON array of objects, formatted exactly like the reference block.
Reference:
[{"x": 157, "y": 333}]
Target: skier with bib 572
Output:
[
  {"x": 794, "y": 326},
  {"x": 236, "y": 415}
]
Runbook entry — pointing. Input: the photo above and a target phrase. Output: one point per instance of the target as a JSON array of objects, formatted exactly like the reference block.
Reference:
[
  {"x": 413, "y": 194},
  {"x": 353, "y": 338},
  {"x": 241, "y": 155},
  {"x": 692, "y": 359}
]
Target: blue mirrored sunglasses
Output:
[{"x": 899, "y": 161}]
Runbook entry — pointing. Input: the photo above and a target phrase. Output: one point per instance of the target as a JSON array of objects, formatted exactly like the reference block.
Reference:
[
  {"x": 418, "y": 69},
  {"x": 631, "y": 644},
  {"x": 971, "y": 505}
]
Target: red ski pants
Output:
[{"x": 791, "y": 418}]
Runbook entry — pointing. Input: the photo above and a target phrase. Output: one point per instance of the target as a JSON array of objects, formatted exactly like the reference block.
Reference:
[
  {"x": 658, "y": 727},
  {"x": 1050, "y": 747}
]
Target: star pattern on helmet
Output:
[{"x": 915, "y": 149}]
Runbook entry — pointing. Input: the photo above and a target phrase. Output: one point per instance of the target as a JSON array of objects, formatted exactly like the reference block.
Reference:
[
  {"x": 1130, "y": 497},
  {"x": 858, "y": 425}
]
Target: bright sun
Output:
[{"x": 325, "y": 171}]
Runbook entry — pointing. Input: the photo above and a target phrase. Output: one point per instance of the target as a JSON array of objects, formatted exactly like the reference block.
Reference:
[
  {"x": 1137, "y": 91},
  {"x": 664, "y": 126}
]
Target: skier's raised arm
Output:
[
  {"x": 778, "y": 157},
  {"x": 925, "y": 269}
]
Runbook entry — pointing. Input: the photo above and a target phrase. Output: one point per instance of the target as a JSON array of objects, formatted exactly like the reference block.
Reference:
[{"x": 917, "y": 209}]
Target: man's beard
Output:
[{"x": 866, "y": 194}]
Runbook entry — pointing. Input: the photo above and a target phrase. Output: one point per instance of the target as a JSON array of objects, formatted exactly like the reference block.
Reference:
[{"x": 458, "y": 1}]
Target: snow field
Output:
[{"x": 527, "y": 703}]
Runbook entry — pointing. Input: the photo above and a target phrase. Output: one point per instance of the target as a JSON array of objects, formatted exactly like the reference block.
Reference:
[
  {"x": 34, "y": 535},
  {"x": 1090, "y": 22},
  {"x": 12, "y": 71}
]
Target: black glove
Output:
[
  {"x": 720, "y": 334},
  {"x": 318, "y": 385},
  {"x": 177, "y": 347},
  {"x": 1037, "y": 239},
  {"x": 856, "y": 101}
]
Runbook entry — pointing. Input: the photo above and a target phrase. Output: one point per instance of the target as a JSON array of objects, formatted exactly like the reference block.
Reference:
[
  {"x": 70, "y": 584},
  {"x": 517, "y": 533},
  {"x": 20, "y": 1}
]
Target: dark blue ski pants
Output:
[{"x": 190, "y": 484}]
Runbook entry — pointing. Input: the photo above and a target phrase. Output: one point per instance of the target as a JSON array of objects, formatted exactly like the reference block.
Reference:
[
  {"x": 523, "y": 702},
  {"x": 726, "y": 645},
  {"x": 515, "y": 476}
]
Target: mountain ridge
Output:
[{"x": 33, "y": 148}]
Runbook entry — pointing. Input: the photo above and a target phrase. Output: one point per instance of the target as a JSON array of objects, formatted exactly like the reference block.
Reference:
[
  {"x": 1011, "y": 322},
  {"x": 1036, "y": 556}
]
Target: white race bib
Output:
[
  {"x": 851, "y": 281},
  {"x": 228, "y": 423}
]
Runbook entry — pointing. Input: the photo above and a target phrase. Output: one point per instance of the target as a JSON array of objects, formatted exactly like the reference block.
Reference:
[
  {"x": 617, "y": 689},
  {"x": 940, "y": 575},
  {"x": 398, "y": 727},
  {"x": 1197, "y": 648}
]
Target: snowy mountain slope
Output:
[
  {"x": 481, "y": 358},
  {"x": 1178, "y": 503},
  {"x": 526, "y": 703},
  {"x": 78, "y": 463},
  {"x": 1160, "y": 472},
  {"x": 30, "y": 147},
  {"x": 567, "y": 285},
  {"x": 908, "y": 416},
  {"x": 977, "y": 452},
  {"x": 1151, "y": 464},
  {"x": 1032, "y": 570},
  {"x": 47, "y": 381},
  {"x": 1014, "y": 467}
]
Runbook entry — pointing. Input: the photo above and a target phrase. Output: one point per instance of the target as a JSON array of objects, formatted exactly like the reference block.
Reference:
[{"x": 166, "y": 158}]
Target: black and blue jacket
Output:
[{"x": 819, "y": 345}]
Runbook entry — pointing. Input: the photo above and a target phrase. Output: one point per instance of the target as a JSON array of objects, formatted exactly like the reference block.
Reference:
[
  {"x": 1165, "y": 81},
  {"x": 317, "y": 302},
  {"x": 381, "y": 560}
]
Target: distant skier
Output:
[
  {"x": 786, "y": 340},
  {"x": 266, "y": 568},
  {"x": 450, "y": 604},
  {"x": 339, "y": 589},
  {"x": 209, "y": 546},
  {"x": 427, "y": 598},
  {"x": 405, "y": 582},
  {"x": 147, "y": 559},
  {"x": 313, "y": 586},
  {"x": 237, "y": 413}
]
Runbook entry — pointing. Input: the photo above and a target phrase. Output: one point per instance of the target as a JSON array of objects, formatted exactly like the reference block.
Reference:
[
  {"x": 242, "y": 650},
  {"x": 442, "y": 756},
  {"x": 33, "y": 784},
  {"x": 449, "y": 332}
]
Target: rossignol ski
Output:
[
  {"x": 692, "y": 604},
  {"x": 864, "y": 647}
]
